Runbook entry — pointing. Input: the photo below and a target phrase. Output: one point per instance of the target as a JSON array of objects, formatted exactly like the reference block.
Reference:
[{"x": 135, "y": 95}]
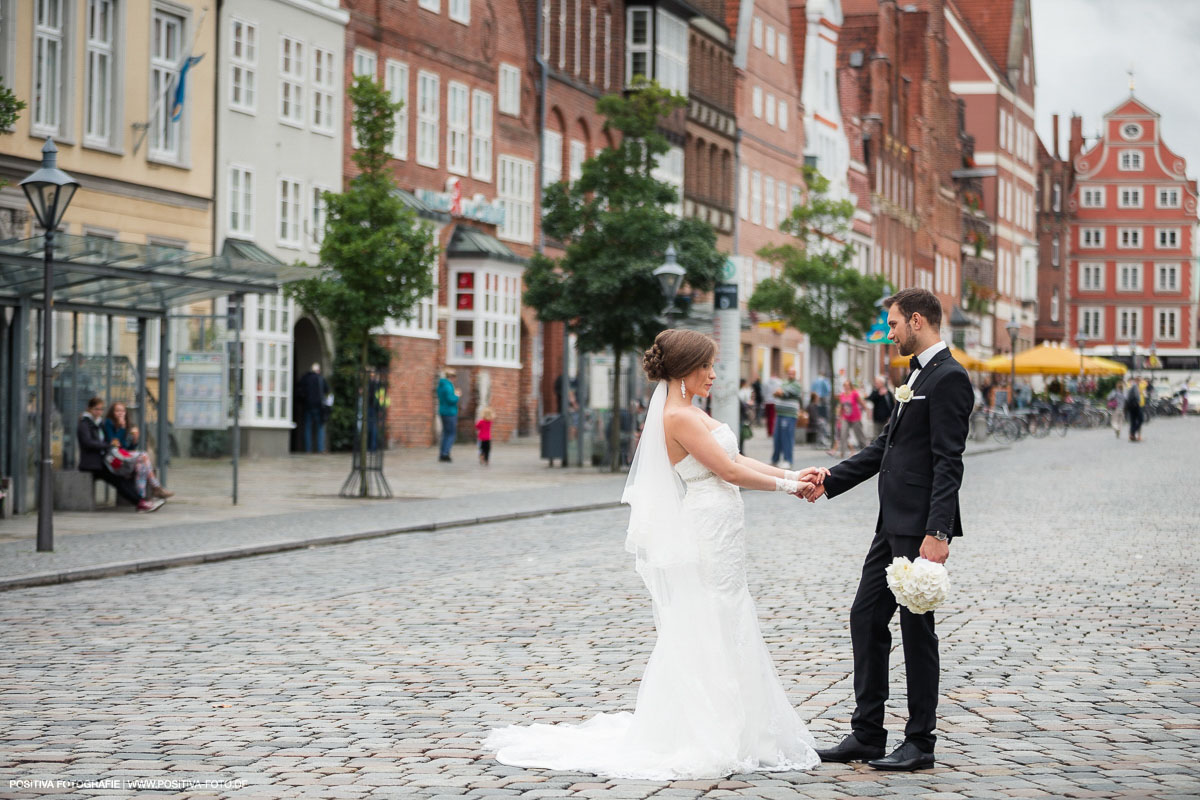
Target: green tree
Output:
[
  {"x": 376, "y": 257},
  {"x": 615, "y": 225},
  {"x": 818, "y": 292},
  {"x": 10, "y": 110}
]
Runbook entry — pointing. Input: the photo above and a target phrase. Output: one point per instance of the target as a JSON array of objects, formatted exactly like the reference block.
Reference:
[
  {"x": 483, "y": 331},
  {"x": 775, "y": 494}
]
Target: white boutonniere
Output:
[{"x": 904, "y": 393}]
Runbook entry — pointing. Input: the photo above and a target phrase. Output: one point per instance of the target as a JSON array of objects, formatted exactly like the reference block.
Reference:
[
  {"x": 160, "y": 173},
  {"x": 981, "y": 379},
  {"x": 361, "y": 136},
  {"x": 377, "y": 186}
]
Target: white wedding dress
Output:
[{"x": 710, "y": 703}]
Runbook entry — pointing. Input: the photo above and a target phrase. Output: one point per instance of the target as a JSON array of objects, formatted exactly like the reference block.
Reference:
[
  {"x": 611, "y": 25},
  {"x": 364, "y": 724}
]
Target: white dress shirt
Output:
[{"x": 926, "y": 354}]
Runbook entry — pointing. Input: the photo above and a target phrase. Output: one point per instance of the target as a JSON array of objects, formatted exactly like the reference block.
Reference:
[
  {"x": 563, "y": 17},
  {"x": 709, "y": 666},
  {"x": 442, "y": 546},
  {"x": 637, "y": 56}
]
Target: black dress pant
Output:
[{"x": 873, "y": 608}]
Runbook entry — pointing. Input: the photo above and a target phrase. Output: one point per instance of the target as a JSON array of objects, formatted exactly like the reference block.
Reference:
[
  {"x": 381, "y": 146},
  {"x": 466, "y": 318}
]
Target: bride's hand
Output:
[{"x": 815, "y": 475}]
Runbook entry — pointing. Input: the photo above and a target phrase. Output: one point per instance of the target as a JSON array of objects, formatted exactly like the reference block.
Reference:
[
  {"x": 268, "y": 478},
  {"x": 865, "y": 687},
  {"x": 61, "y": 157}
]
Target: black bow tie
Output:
[{"x": 914, "y": 364}]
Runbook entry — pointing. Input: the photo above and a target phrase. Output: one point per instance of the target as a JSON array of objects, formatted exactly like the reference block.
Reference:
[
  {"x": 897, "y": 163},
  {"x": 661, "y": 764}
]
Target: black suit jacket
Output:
[
  {"x": 92, "y": 445},
  {"x": 918, "y": 457}
]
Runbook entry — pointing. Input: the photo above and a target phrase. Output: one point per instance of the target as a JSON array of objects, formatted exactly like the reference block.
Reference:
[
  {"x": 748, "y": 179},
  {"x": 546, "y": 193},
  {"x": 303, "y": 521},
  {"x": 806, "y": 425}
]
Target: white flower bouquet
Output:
[{"x": 920, "y": 585}]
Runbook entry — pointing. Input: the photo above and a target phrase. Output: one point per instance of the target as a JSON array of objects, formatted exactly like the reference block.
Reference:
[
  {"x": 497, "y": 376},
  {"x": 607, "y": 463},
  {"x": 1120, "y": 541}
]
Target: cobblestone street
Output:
[{"x": 1070, "y": 649}]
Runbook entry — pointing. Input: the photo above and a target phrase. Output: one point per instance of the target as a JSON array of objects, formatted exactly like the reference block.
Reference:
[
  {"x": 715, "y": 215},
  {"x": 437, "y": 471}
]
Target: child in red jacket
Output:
[{"x": 483, "y": 433}]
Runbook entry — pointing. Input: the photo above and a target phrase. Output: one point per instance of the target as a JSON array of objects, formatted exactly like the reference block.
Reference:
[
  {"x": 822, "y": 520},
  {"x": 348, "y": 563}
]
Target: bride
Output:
[{"x": 710, "y": 703}]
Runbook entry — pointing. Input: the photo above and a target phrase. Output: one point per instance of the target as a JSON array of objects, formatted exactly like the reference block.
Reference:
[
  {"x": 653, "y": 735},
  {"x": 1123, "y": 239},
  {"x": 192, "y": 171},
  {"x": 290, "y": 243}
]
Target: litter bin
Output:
[{"x": 554, "y": 438}]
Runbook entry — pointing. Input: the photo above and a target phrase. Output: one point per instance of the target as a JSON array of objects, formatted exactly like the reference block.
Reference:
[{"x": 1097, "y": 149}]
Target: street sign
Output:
[
  {"x": 201, "y": 395},
  {"x": 729, "y": 271},
  {"x": 725, "y": 296}
]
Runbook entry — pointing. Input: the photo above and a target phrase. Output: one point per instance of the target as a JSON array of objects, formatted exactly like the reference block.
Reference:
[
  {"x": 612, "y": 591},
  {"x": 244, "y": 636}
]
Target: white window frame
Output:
[
  {"x": 289, "y": 211},
  {"x": 769, "y": 41},
  {"x": 424, "y": 322},
  {"x": 494, "y": 320},
  {"x": 757, "y": 32},
  {"x": 458, "y": 128},
  {"x": 1161, "y": 233},
  {"x": 768, "y": 191},
  {"x": 48, "y": 115},
  {"x": 1129, "y": 197},
  {"x": 547, "y": 17},
  {"x": 552, "y": 160},
  {"x": 744, "y": 192},
  {"x": 1172, "y": 191},
  {"x": 324, "y": 90},
  {"x": 756, "y": 198},
  {"x": 243, "y": 66},
  {"x": 460, "y": 11},
  {"x": 1003, "y": 130},
  {"x": 1129, "y": 277},
  {"x": 366, "y": 62},
  {"x": 240, "y": 193},
  {"x": 1055, "y": 250},
  {"x": 291, "y": 81},
  {"x": 781, "y": 203},
  {"x": 1161, "y": 332},
  {"x": 669, "y": 168},
  {"x": 577, "y": 34},
  {"x": 562, "y": 34},
  {"x": 1097, "y": 241},
  {"x": 1128, "y": 323},
  {"x": 481, "y": 135},
  {"x": 1055, "y": 304},
  {"x": 756, "y": 102},
  {"x": 635, "y": 48},
  {"x": 395, "y": 79},
  {"x": 576, "y": 155},
  {"x": 1091, "y": 277},
  {"x": 317, "y": 215},
  {"x": 431, "y": 5},
  {"x": 1129, "y": 238},
  {"x": 101, "y": 64},
  {"x": 783, "y": 58},
  {"x": 671, "y": 44},
  {"x": 769, "y": 108},
  {"x": 783, "y": 112},
  {"x": 1161, "y": 271},
  {"x": 166, "y": 137},
  {"x": 1130, "y": 161},
  {"x": 1091, "y": 322},
  {"x": 593, "y": 13},
  {"x": 607, "y": 49},
  {"x": 515, "y": 190},
  {"x": 1092, "y": 197},
  {"x": 267, "y": 362},
  {"x": 428, "y": 117},
  {"x": 509, "y": 90}
]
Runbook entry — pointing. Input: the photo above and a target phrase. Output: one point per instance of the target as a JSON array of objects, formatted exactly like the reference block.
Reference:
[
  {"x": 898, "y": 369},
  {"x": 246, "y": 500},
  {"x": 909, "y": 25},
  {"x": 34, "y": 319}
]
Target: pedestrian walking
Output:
[
  {"x": 483, "y": 434},
  {"x": 850, "y": 409},
  {"x": 882, "y": 403},
  {"x": 447, "y": 396},
  {"x": 787, "y": 407},
  {"x": 756, "y": 395},
  {"x": 770, "y": 387},
  {"x": 1116, "y": 407},
  {"x": 312, "y": 391},
  {"x": 1134, "y": 402}
]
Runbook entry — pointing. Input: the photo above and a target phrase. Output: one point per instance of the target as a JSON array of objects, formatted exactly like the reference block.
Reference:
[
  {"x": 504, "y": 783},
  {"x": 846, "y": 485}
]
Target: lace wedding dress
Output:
[{"x": 710, "y": 703}]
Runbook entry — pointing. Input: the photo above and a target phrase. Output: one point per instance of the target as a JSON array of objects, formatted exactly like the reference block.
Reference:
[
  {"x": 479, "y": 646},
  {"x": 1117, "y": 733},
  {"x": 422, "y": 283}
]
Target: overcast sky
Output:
[{"x": 1083, "y": 50}]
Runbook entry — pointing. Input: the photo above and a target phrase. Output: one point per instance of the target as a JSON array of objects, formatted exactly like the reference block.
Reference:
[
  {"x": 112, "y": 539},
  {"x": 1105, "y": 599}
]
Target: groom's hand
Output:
[
  {"x": 812, "y": 491},
  {"x": 935, "y": 550}
]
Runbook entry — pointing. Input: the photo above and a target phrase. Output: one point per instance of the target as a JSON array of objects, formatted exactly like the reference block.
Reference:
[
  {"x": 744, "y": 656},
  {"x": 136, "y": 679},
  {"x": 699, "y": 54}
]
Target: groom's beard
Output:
[{"x": 907, "y": 344}]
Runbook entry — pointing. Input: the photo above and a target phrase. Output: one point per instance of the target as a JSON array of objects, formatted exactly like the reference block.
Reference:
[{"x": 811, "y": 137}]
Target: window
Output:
[
  {"x": 324, "y": 86},
  {"x": 783, "y": 112},
  {"x": 1131, "y": 131},
  {"x": 515, "y": 190},
  {"x": 291, "y": 81},
  {"x": 460, "y": 11},
  {"x": 562, "y": 34},
  {"x": 578, "y": 28},
  {"x": 781, "y": 202},
  {"x": 1093, "y": 198},
  {"x": 1054, "y": 305},
  {"x": 547, "y": 16},
  {"x": 552, "y": 150},
  {"x": 289, "y": 213},
  {"x": 1168, "y": 324},
  {"x": 510, "y": 90},
  {"x": 486, "y": 316},
  {"x": 100, "y": 98},
  {"x": 1091, "y": 237},
  {"x": 607, "y": 49},
  {"x": 316, "y": 219},
  {"x": 48, "y": 32},
  {"x": 756, "y": 103},
  {"x": 1090, "y": 323},
  {"x": 270, "y": 363},
  {"x": 1129, "y": 197},
  {"x": 365, "y": 63},
  {"x": 1167, "y": 238},
  {"x": 770, "y": 109},
  {"x": 427, "y": 119},
  {"x": 769, "y": 205},
  {"x": 1003, "y": 130},
  {"x": 744, "y": 192},
  {"x": 1167, "y": 278},
  {"x": 1129, "y": 323},
  {"x": 1129, "y": 238},
  {"x": 1131, "y": 160},
  {"x": 1129, "y": 277},
  {"x": 395, "y": 79},
  {"x": 669, "y": 170},
  {"x": 243, "y": 66},
  {"x": 578, "y": 156},
  {"x": 756, "y": 198},
  {"x": 241, "y": 202},
  {"x": 1056, "y": 203},
  {"x": 424, "y": 322},
  {"x": 671, "y": 52},
  {"x": 592, "y": 44},
  {"x": 638, "y": 46},
  {"x": 1054, "y": 251},
  {"x": 165, "y": 53},
  {"x": 770, "y": 41},
  {"x": 1168, "y": 198},
  {"x": 431, "y": 5},
  {"x": 758, "y": 32},
  {"x": 782, "y": 48},
  {"x": 481, "y": 136},
  {"x": 1091, "y": 277},
  {"x": 457, "y": 120}
]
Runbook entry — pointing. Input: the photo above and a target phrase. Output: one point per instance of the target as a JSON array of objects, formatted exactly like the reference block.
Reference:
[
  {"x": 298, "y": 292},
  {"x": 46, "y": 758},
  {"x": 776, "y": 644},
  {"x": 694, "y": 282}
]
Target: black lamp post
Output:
[
  {"x": 49, "y": 191},
  {"x": 670, "y": 276},
  {"x": 1153, "y": 360},
  {"x": 1013, "y": 329},
  {"x": 1079, "y": 342}
]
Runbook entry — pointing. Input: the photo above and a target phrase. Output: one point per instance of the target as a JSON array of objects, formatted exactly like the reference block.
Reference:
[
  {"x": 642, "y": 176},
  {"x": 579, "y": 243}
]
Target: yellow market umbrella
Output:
[
  {"x": 968, "y": 362},
  {"x": 1049, "y": 360},
  {"x": 1094, "y": 365}
]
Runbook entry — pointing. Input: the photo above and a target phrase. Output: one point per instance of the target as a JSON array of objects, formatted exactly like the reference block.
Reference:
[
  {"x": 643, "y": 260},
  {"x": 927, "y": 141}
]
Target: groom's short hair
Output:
[{"x": 917, "y": 301}]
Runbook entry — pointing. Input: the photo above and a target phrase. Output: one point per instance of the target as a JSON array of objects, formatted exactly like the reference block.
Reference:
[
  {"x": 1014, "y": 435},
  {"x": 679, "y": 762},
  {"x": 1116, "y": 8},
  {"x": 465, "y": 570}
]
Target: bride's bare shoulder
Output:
[{"x": 686, "y": 416}]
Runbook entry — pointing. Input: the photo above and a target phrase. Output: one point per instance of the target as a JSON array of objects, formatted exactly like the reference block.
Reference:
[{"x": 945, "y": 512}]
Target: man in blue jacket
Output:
[{"x": 447, "y": 397}]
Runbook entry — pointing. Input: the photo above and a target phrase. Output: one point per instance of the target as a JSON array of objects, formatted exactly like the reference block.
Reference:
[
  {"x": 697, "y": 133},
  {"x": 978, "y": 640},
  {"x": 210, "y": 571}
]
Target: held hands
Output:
[{"x": 810, "y": 482}]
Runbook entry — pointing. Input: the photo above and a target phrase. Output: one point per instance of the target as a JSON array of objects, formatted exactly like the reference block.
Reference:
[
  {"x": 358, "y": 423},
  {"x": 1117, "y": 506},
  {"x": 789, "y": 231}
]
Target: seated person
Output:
[
  {"x": 120, "y": 433},
  {"x": 92, "y": 448}
]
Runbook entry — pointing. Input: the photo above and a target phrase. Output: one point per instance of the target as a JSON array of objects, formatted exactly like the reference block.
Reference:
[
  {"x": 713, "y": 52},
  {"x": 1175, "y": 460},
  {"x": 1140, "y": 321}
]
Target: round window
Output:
[{"x": 1131, "y": 131}]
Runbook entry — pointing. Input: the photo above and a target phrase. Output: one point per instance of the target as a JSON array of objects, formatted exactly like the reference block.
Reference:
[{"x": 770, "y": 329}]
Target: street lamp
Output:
[
  {"x": 670, "y": 276},
  {"x": 1133, "y": 355},
  {"x": 49, "y": 191},
  {"x": 1013, "y": 329},
  {"x": 1080, "y": 339},
  {"x": 1153, "y": 360}
]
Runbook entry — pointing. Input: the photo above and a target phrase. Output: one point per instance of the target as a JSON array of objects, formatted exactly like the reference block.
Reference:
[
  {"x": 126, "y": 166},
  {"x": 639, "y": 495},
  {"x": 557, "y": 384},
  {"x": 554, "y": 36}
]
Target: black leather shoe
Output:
[
  {"x": 851, "y": 749},
  {"x": 905, "y": 758}
]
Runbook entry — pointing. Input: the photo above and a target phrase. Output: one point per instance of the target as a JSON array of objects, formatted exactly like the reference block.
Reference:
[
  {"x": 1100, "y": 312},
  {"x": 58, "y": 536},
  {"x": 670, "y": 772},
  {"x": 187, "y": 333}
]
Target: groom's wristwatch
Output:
[{"x": 939, "y": 535}]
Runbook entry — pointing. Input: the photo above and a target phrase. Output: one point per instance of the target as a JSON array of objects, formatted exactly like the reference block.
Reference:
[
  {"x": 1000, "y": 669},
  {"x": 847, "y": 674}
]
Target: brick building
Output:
[
  {"x": 1131, "y": 270},
  {"x": 1056, "y": 184},
  {"x": 465, "y": 151}
]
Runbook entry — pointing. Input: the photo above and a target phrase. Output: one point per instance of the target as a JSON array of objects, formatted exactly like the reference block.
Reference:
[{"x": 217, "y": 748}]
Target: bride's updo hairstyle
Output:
[{"x": 676, "y": 353}]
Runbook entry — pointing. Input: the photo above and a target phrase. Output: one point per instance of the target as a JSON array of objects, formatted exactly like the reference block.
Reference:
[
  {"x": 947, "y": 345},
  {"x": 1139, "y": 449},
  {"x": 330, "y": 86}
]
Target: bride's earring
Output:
[{"x": 682, "y": 389}]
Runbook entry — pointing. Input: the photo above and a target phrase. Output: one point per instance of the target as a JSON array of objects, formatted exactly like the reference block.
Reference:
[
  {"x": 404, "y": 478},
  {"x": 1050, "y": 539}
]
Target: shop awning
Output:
[
  {"x": 468, "y": 242},
  {"x": 93, "y": 274}
]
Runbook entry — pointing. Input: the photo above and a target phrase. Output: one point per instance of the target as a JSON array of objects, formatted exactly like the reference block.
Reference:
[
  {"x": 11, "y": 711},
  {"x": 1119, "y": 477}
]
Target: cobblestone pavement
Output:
[{"x": 1070, "y": 649}]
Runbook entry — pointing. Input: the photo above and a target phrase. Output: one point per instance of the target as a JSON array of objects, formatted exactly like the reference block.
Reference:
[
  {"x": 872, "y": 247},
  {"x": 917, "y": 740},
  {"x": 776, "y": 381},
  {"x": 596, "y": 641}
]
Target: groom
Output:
[{"x": 918, "y": 458}]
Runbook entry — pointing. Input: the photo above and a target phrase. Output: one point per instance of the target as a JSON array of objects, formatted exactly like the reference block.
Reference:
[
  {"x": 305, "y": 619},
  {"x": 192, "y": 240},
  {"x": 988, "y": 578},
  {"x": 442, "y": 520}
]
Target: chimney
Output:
[
  {"x": 1076, "y": 143},
  {"x": 1054, "y": 128}
]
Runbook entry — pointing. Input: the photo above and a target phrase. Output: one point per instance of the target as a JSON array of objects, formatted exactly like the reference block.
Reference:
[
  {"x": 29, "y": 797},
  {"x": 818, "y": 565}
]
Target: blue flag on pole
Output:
[{"x": 180, "y": 87}]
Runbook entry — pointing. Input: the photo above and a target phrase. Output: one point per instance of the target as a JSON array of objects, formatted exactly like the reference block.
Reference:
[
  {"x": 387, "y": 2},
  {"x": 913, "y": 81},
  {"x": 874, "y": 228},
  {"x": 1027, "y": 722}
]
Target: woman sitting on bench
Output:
[
  {"x": 120, "y": 433},
  {"x": 92, "y": 448}
]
